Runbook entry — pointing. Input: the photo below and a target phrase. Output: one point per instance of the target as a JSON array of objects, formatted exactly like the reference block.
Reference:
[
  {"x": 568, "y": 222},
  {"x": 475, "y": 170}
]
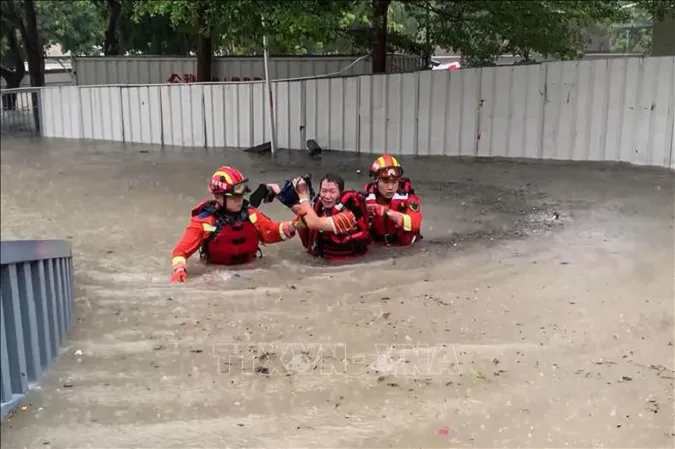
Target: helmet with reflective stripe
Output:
[
  {"x": 386, "y": 166},
  {"x": 228, "y": 181}
]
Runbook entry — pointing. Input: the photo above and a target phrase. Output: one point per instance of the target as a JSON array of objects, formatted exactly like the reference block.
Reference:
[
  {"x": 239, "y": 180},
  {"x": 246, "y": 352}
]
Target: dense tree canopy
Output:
[
  {"x": 481, "y": 30},
  {"x": 77, "y": 25},
  {"x": 21, "y": 40}
]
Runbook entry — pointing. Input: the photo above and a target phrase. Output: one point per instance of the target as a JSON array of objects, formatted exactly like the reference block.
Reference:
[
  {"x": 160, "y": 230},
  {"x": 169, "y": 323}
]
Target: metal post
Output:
[{"x": 268, "y": 87}]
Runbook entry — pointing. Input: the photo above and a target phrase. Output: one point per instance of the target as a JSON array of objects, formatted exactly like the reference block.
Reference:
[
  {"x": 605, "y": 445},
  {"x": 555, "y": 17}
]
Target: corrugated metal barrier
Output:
[
  {"x": 36, "y": 296},
  {"x": 131, "y": 70},
  {"x": 603, "y": 110}
]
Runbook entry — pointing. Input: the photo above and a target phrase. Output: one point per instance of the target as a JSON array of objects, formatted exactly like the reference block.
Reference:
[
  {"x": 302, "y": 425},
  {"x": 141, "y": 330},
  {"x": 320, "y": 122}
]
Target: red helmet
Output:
[
  {"x": 386, "y": 166},
  {"x": 228, "y": 181}
]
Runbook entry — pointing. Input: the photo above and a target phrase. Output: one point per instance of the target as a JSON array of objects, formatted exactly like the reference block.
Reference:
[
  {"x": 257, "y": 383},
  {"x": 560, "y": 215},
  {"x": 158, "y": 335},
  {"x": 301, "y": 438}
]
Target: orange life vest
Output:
[
  {"x": 233, "y": 239},
  {"x": 335, "y": 246},
  {"x": 383, "y": 230}
]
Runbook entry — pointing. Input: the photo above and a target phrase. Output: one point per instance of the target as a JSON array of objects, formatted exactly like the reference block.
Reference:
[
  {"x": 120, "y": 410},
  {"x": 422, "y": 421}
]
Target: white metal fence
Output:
[
  {"x": 91, "y": 71},
  {"x": 611, "y": 110}
]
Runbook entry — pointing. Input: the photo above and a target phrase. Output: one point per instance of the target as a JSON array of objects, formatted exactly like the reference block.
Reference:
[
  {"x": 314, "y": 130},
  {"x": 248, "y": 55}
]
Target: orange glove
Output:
[
  {"x": 377, "y": 209},
  {"x": 179, "y": 275}
]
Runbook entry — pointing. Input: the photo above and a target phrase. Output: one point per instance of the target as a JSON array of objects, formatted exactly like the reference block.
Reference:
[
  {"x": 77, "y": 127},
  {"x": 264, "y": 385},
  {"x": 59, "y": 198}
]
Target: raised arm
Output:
[
  {"x": 340, "y": 223},
  {"x": 409, "y": 220},
  {"x": 271, "y": 231}
]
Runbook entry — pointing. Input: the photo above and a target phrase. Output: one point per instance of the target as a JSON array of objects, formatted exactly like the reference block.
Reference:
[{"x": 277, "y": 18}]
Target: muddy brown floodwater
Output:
[{"x": 537, "y": 311}]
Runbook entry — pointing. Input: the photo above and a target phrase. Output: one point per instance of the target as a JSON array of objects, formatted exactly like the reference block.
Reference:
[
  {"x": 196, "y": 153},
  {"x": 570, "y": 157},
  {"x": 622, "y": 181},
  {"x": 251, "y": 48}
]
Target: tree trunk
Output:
[
  {"x": 33, "y": 46},
  {"x": 380, "y": 9},
  {"x": 111, "y": 46},
  {"x": 204, "y": 49},
  {"x": 13, "y": 77},
  {"x": 35, "y": 55}
]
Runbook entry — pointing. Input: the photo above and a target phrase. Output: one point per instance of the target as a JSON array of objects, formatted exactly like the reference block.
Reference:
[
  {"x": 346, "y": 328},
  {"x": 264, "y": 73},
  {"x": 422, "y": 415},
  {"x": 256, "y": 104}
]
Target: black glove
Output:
[{"x": 262, "y": 194}]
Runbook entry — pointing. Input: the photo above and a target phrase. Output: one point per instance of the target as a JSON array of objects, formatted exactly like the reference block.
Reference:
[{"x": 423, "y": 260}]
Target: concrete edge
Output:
[{"x": 8, "y": 407}]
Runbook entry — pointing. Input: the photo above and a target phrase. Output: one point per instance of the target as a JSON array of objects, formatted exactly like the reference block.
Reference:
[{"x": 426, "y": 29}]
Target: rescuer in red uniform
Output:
[
  {"x": 226, "y": 229},
  {"x": 395, "y": 213},
  {"x": 335, "y": 225}
]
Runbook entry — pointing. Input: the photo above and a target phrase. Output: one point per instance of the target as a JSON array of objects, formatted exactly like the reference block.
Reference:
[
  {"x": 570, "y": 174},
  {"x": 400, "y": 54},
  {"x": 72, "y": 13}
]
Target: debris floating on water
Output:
[{"x": 443, "y": 431}]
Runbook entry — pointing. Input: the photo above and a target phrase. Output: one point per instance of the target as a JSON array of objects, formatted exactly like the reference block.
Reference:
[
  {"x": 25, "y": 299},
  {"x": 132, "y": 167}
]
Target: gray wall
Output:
[{"x": 36, "y": 288}]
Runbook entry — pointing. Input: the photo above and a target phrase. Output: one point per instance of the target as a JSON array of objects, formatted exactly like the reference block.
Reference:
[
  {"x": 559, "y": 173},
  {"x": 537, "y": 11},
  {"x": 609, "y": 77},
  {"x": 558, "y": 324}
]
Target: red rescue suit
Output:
[
  {"x": 385, "y": 230},
  {"x": 330, "y": 245},
  {"x": 224, "y": 238},
  {"x": 233, "y": 238}
]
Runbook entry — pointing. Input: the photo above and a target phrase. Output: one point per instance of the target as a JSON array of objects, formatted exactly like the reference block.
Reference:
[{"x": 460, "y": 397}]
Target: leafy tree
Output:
[
  {"x": 404, "y": 33},
  {"x": 663, "y": 16},
  {"x": 296, "y": 27},
  {"x": 77, "y": 25},
  {"x": 659, "y": 9},
  {"x": 19, "y": 19},
  {"x": 479, "y": 30},
  {"x": 149, "y": 35},
  {"x": 20, "y": 29},
  {"x": 242, "y": 23},
  {"x": 635, "y": 35},
  {"x": 483, "y": 30}
]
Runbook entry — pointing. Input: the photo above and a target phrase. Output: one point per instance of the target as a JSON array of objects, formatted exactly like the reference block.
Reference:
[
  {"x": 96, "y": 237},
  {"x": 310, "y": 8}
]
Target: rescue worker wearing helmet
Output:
[
  {"x": 395, "y": 213},
  {"x": 226, "y": 229},
  {"x": 335, "y": 224}
]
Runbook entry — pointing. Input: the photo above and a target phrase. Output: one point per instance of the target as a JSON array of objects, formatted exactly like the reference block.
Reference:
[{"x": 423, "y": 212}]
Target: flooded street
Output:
[{"x": 536, "y": 312}]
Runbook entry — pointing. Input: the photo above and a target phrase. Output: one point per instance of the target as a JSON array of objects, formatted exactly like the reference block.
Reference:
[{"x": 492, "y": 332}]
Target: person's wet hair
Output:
[{"x": 332, "y": 177}]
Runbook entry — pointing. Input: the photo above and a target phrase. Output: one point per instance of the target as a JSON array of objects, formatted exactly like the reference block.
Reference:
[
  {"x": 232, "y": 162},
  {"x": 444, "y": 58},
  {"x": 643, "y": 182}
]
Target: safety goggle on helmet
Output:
[
  {"x": 228, "y": 181},
  {"x": 386, "y": 167}
]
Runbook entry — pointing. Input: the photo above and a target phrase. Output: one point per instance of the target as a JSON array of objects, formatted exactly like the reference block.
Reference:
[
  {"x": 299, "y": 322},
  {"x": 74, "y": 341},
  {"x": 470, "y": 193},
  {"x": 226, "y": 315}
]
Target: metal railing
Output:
[
  {"x": 20, "y": 113},
  {"x": 36, "y": 299}
]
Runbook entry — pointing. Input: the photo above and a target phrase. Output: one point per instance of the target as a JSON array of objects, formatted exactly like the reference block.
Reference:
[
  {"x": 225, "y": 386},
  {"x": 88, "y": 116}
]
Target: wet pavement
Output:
[{"x": 536, "y": 312}]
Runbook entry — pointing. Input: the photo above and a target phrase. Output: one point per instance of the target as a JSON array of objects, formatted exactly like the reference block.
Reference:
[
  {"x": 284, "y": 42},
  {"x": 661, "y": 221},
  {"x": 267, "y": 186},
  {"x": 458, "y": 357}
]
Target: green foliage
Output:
[
  {"x": 482, "y": 30},
  {"x": 153, "y": 35},
  {"x": 635, "y": 35},
  {"x": 657, "y": 8},
  {"x": 77, "y": 25},
  {"x": 238, "y": 24}
]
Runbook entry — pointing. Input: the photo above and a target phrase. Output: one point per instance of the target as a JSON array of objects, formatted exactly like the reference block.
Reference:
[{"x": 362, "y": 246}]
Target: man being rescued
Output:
[
  {"x": 335, "y": 225},
  {"x": 395, "y": 213},
  {"x": 226, "y": 229}
]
